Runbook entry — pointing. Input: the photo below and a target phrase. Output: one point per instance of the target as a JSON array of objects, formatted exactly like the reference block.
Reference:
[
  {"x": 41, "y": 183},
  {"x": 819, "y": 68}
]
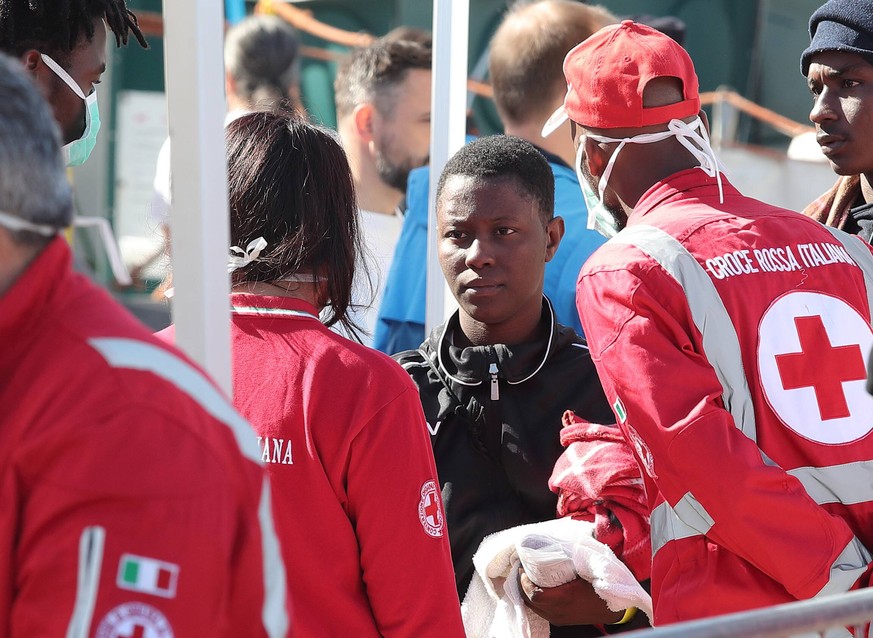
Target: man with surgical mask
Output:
[
  {"x": 62, "y": 44},
  {"x": 730, "y": 337}
]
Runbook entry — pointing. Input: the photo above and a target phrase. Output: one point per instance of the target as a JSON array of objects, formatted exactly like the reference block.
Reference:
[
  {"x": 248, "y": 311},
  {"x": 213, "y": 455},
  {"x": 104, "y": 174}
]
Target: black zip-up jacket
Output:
[{"x": 494, "y": 415}]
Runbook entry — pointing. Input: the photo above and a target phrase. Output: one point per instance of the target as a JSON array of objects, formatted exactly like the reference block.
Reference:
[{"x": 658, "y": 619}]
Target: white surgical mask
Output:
[
  {"x": 78, "y": 151},
  {"x": 599, "y": 217},
  {"x": 16, "y": 224},
  {"x": 696, "y": 143}
]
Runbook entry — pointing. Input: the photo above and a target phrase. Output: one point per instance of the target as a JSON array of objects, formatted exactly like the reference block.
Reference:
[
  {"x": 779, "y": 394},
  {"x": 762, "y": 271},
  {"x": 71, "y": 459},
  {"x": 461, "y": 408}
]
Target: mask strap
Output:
[
  {"x": 16, "y": 224},
  {"x": 703, "y": 151},
  {"x": 579, "y": 152},
  {"x": 695, "y": 143},
  {"x": 247, "y": 256},
  {"x": 644, "y": 138},
  {"x": 59, "y": 71},
  {"x": 579, "y": 176},
  {"x": 604, "y": 179}
]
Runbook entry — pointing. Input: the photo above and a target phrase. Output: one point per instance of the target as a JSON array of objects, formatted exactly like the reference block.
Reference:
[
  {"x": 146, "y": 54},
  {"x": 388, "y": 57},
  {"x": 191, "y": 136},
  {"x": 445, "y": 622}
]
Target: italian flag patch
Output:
[
  {"x": 620, "y": 412},
  {"x": 147, "y": 575}
]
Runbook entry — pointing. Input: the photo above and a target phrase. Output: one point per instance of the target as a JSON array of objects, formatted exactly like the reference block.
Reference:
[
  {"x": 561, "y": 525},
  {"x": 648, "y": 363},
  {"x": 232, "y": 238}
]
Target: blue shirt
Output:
[{"x": 400, "y": 321}]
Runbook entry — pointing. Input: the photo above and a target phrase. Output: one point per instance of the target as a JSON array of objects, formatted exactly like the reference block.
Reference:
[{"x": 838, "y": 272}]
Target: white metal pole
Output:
[
  {"x": 194, "y": 32},
  {"x": 451, "y": 20}
]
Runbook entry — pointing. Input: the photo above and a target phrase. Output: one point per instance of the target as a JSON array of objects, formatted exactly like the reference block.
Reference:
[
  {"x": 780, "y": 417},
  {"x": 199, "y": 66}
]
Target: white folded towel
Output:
[{"x": 493, "y": 606}]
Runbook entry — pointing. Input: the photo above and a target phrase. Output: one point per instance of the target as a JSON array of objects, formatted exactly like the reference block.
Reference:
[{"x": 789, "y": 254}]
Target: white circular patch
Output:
[
  {"x": 134, "y": 620},
  {"x": 812, "y": 360},
  {"x": 642, "y": 450},
  {"x": 430, "y": 510}
]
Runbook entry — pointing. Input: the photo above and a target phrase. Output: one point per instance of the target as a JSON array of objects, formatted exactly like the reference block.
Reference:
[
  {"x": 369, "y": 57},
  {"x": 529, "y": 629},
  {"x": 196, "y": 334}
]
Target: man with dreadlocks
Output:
[{"x": 62, "y": 44}]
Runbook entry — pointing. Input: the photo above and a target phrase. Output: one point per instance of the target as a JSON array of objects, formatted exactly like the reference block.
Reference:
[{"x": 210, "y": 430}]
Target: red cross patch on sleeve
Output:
[{"x": 430, "y": 510}]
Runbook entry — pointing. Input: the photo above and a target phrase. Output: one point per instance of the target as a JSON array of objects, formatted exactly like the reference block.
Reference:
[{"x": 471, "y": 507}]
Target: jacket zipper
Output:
[
  {"x": 493, "y": 422},
  {"x": 495, "y": 387},
  {"x": 90, "y": 561}
]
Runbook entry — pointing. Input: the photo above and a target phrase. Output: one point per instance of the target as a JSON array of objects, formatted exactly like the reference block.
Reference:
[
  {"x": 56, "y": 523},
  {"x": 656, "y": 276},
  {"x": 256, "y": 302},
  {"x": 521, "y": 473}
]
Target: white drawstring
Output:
[
  {"x": 704, "y": 153},
  {"x": 696, "y": 143}
]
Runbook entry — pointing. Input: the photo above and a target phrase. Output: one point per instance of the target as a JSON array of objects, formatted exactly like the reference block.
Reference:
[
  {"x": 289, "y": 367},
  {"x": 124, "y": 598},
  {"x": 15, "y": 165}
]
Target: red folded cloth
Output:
[{"x": 597, "y": 479}]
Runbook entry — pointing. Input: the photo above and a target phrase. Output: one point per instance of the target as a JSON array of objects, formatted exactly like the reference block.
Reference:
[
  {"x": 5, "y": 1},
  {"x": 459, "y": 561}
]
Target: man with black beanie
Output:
[{"x": 838, "y": 65}]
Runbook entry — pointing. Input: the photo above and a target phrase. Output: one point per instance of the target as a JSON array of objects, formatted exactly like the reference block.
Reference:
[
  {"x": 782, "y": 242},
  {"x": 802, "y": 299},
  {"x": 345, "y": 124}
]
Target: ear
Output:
[
  {"x": 31, "y": 60},
  {"x": 42, "y": 75},
  {"x": 595, "y": 157},
  {"x": 229, "y": 85},
  {"x": 362, "y": 117},
  {"x": 554, "y": 234}
]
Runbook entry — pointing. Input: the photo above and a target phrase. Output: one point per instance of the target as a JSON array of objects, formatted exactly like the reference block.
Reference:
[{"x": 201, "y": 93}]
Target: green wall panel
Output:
[{"x": 138, "y": 68}]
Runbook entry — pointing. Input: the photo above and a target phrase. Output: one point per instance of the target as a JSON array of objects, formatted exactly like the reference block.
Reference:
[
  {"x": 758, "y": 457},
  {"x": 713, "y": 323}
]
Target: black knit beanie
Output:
[{"x": 840, "y": 25}]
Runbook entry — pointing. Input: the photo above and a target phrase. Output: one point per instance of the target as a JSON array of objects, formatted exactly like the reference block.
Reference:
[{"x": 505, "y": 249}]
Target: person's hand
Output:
[{"x": 574, "y": 603}]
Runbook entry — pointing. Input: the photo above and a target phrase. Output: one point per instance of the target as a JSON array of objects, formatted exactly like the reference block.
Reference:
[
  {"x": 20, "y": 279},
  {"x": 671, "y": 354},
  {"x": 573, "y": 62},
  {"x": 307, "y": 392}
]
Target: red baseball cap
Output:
[{"x": 607, "y": 73}]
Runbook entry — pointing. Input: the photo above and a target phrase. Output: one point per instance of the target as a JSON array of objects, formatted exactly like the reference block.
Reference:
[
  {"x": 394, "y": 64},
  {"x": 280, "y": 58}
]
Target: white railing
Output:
[{"x": 839, "y": 615}]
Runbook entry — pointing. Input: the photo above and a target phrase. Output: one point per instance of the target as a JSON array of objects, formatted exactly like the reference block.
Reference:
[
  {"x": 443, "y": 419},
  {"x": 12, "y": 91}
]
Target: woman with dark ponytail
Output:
[{"x": 342, "y": 435}]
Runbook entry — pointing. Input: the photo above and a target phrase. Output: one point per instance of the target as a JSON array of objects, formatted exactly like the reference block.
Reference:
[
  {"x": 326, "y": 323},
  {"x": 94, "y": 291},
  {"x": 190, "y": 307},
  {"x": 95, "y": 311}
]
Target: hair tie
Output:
[{"x": 247, "y": 256}]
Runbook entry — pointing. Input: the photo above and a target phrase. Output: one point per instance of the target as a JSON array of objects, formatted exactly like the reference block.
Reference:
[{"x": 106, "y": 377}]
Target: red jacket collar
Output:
[
  {"x": 692, "y": 182},
  {"x": 36, "y": 286},
  {"x": 267, "y": 303}
]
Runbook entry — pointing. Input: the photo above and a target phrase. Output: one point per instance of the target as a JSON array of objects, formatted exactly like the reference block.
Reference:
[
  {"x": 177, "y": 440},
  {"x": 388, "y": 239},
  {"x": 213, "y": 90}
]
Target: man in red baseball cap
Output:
[{"x": 730, "y": 337}]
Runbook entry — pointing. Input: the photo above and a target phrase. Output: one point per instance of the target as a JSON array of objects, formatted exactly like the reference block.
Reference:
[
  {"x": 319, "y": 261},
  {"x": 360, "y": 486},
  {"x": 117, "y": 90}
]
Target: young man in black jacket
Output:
[{"x": 496, "y": 378}]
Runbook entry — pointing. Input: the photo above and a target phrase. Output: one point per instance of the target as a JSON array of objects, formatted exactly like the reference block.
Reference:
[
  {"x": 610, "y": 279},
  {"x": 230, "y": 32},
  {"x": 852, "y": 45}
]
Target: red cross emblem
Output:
[
  {"x": 430, "y": 510},
  {"x": 812, "y": 349},
  {"x": 822, "y": 367},
  {"x": 134, "y": 620},
  {"x": 138, "y": 632}
]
